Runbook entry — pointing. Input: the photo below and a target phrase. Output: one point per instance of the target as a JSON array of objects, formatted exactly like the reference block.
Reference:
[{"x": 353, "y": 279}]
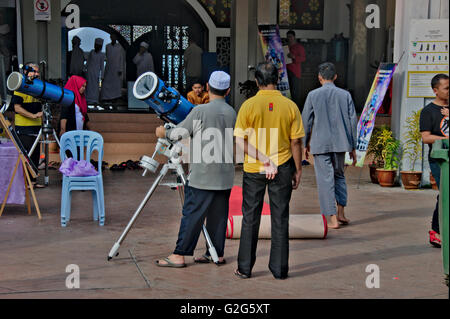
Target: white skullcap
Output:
[
  {"x": 144, "y": 44},
  {"x": 219, "y": 80},
  {"x": 99, "y": 41}
]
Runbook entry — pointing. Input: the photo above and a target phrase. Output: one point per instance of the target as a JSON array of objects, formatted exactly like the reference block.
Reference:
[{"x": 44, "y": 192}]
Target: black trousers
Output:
[
  {"x": 295, "y": 86},
  {"x": 436, "y": 171},
  {"x": 280, "y": 190},
  {"x": 198, "y": 205}
]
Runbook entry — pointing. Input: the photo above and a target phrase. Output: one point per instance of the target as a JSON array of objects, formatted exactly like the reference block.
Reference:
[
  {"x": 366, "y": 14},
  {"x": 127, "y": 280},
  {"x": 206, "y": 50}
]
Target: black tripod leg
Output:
[{"x": 46, "y": 152}]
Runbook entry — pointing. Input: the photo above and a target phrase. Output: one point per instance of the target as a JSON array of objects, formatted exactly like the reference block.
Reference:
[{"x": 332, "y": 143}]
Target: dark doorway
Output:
[{"x": 165, "y": 25}]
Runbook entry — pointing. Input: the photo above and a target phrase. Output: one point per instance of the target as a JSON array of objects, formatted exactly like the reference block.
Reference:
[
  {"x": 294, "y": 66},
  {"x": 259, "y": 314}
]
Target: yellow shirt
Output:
[
  {"x": 196, "y": 100},
  {"x": 25, "y": 100},
  {"x": 273, "y": 120}
]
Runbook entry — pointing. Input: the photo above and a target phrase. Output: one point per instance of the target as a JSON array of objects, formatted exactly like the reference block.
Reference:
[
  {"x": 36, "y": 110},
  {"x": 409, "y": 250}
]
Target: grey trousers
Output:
[{"x": 331, "y": 183}]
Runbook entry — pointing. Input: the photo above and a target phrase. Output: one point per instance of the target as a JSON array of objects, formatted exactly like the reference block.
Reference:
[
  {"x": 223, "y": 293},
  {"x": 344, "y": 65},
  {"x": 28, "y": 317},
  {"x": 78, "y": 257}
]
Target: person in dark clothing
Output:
[
  {"x": 434, "y": 126},
  {"x": 28, "y": 117},
  {"x": 75, "y": 116},
  {"x": 278, "y": 169}
]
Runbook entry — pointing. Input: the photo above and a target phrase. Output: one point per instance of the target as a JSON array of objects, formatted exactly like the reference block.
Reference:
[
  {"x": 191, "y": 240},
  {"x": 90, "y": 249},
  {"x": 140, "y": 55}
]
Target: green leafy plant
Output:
[
  {"x": 390, "y": 149},
  {"x": 374, "y": 149},
  {"x": 413, "y": 139}
]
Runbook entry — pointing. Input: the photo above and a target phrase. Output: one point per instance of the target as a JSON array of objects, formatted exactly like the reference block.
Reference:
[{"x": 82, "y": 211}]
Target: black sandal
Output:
[
  {"x": 205, "y": 259},
  {"x": 240, "y": 275}
]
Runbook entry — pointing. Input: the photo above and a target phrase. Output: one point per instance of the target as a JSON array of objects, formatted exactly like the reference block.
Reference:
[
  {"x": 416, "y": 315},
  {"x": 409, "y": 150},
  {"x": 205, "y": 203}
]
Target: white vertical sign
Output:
[
  {"x": 428, "y": 55},
  {"x": 42, "y": 10}
]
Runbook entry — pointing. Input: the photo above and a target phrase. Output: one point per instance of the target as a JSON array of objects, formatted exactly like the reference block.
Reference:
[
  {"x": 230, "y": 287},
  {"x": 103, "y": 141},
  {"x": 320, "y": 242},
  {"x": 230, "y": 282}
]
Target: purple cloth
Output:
[
  {"x": 73, "y": 168},
  {"x": 8, "y": 159}
]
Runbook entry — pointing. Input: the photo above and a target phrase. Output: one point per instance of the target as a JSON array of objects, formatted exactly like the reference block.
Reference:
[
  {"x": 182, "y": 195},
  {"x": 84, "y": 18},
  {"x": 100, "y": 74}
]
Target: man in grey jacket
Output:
[
  {"x": 330, "y": 126},
  {"x": 211, "y": 174}
]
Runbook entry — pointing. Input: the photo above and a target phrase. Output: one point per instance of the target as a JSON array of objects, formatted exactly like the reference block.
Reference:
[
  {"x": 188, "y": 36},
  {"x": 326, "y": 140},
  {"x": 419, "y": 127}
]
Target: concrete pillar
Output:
[
  {"x": 402, "y": 107},
  {"x": 239, "y": 48},
  {"x": 54, "y": 42},
  {"x": 266, "y": 14},
  {"x": 31, "y": 30},
  {"x": 358, "y": 60},
  {"x": 245, "y": 42},
  {"x": 42, "y": 39}
]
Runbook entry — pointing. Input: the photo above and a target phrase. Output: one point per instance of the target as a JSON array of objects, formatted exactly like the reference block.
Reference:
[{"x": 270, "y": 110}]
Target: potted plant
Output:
[
  {"x": 413, "y": 151},
  {"x": 375, "y": 151},
  {"x": 390, "y": 155}
]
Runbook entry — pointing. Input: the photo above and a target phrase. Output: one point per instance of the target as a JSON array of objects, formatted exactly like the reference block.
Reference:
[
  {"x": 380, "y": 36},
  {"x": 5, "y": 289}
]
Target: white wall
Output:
[{"x": 402, "y": 106}]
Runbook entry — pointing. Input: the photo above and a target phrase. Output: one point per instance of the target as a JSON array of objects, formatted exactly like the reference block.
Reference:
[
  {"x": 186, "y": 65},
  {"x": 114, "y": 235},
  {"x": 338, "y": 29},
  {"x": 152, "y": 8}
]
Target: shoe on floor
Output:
[
  {"x": 436, "y": 242},
  {"x": 169, "y": 264},
  {"x": 241, "y": 275},
  {"x": 205, "y": 259}
]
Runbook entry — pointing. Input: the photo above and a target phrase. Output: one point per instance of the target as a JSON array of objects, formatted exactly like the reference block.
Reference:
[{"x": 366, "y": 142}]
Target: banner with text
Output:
[
  {"x": 272, "y": 49},
  {"x": 374, "y": 100}
]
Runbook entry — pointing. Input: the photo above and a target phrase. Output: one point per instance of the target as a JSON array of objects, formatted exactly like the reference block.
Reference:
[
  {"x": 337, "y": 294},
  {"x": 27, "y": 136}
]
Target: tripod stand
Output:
[
  {"x": 174, "y": 164},
  {"x": 44, "y": 133}
]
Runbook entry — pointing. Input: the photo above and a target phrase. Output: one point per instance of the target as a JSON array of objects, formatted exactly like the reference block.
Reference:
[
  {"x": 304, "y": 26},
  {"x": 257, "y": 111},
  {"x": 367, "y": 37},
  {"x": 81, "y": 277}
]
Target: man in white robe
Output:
[
  {"x": 77, "y": 58},
  {"x": 95, "y": 70},
  {"x": 143, "y": 60},
  {"x": 192, "y": 63},
  {"x": 112, "y": 83}
]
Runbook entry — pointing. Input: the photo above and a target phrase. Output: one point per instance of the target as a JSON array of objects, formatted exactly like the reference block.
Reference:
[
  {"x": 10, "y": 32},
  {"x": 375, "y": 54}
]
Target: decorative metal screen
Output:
[{"x": 176, "y": 40}]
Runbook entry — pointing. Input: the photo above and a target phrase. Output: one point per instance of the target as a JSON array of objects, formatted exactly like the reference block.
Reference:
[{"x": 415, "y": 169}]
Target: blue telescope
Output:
[
  {"x": 39, "y": 89},
  {"x": 166, "y": 101}
]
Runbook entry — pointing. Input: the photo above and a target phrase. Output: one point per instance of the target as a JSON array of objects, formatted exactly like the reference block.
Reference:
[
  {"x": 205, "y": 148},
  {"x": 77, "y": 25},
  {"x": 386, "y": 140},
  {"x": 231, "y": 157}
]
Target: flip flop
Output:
[
  {"x": 169, "y": 264},
  {"x": 344, "y": 223},
  {"x": 38, "y": 186},
  {"x": 208, "y": 259},
  {"x": 240, "y": 275}
]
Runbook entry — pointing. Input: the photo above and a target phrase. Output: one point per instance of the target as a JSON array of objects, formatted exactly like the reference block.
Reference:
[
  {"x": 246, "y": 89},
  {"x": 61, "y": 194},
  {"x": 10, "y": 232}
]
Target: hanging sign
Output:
[{"x": 42, "y": 10}]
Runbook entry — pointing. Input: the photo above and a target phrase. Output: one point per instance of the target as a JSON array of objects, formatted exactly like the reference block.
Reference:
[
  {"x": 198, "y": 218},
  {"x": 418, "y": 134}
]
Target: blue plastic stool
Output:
[{"x": 76, "y": 142}]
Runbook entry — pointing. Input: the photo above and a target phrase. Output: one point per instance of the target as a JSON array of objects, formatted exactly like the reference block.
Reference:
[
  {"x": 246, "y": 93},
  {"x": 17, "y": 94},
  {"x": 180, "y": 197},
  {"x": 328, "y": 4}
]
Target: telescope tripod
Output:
[
  {"x": 180, "y": 173},
  {"x": 44, "y": 134}
]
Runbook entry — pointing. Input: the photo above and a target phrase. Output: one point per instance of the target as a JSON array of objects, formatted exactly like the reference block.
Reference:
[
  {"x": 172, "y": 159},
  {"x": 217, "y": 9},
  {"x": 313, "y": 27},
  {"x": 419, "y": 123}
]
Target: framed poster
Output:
[{"x": 428, "y": 55}]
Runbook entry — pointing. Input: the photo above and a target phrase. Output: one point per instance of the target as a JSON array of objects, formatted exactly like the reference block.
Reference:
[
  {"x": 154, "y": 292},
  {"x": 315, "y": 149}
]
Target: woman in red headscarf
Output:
[{"x": 75, "y": 116}]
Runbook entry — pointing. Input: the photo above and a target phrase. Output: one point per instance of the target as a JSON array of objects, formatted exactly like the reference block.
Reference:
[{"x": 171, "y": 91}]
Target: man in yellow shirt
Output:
[
  {"x": 198, "y": 95},
  {"x": 269, "y": 129},
  {"x": 28, "y": 117}
]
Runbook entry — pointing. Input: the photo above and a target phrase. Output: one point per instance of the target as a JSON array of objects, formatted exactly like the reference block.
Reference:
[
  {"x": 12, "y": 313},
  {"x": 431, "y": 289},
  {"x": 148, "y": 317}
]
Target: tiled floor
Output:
[{"x": 389, "y": 228}]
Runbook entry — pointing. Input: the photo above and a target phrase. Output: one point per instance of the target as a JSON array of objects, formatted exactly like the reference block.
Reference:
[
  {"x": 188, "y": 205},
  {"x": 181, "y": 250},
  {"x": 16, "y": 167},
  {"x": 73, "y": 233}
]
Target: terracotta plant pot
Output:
[
  {"x": 411, "y": 180},
  {"x": 373, "y": 173},
  {"x": 386, "y": 178},
  {"x": 433, "y": 183}
]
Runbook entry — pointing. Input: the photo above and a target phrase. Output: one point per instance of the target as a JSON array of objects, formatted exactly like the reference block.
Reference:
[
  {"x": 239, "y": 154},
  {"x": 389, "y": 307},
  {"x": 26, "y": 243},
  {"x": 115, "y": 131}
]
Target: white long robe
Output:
[
  {"x": 95, "y": 70},
  {"x": 112, "y": 83},
  {"x": 144, "y": 63},
  {"x": 193, "y": 61}
]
